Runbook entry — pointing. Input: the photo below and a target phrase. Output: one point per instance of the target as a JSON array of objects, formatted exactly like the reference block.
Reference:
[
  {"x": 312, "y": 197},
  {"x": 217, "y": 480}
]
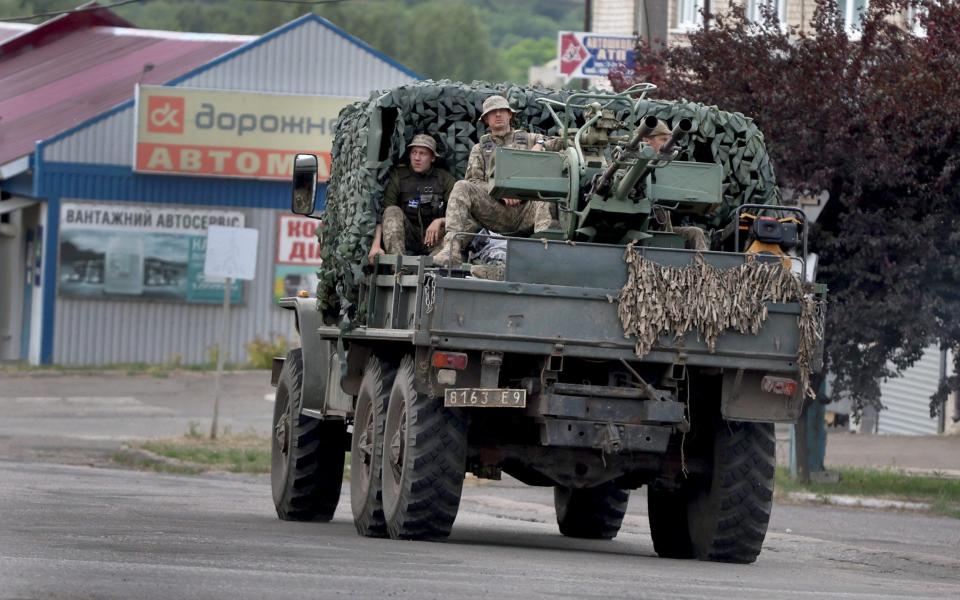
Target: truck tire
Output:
[
  {"x": 424, "y": 460},
  {"x": 726, "y": 513},
  {"x": 593, "y": 513},
  {"x": 306, "y": 469},
  {"x": 366, "y": 448},
  {"x": 667, "y": 512}
]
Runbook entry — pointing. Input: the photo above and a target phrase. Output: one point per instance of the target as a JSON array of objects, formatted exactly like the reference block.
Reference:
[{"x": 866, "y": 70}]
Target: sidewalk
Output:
[
  {"x": 916, "y": 454},
  {"x": 925, "y": 454}
]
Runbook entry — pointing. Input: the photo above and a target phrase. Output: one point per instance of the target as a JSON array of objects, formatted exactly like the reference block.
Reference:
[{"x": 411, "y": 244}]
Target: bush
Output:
[{"x": 261, "y": 352}]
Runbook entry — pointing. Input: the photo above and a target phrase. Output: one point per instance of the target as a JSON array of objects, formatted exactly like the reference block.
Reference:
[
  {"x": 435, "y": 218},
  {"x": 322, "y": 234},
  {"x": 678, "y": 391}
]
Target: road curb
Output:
[{"x": 856, "y": 501}]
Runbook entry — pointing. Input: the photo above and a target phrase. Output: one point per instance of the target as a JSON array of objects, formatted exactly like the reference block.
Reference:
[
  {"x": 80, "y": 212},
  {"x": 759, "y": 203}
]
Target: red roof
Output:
[{"x": 78, "y": 65}]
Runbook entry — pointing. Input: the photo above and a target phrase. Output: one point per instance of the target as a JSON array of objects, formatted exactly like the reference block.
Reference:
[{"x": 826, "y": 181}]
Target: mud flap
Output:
[{"x": 744, "y": 400}]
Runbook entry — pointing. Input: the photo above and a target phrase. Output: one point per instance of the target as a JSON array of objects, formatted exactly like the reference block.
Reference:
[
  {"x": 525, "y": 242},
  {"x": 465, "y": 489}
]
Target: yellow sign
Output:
[{"x": 232, "y": 134}]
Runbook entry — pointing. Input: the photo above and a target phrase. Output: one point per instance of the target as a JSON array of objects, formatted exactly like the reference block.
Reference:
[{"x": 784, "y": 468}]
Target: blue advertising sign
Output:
[{"x": 586, "y": 54}]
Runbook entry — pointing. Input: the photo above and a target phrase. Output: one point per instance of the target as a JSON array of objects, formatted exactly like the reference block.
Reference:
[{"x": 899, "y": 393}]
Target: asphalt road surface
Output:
[{"x": 71, "y": 527}]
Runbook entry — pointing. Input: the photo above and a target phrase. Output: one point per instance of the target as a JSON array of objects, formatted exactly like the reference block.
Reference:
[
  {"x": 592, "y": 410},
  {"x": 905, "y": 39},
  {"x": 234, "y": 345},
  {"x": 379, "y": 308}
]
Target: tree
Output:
[{"x": 873, "y": 122}]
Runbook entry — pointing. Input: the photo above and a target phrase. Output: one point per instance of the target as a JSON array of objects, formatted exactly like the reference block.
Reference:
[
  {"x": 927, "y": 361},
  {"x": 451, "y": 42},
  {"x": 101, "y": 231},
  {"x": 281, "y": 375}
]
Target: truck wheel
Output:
[
  {"x": 366, "y": 448},
  {"x": 593, "y": 513},
  {"x": 730, "y": 512},
  {"x": 722, "y": 517},
  {"x": 306, "y": 468},
  {"x": 424, "y": 460},
  {"x": 667, "y": 512}
]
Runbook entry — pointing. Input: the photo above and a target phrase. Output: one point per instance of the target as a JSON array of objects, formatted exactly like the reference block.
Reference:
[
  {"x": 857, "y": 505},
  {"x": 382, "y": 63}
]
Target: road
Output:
[{"x": 71, "y": 530}]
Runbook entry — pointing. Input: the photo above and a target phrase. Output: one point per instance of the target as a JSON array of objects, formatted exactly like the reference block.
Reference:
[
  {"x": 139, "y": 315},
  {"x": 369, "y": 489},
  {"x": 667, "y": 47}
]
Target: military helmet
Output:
[
  {"x": 424, "y": 141},
  {"x": 495, "y": 103},
  {"x": 660, "y": 129}
]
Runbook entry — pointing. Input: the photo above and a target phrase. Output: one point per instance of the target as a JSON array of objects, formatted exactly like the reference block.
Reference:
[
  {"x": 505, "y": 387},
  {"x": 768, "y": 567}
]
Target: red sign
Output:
[
  {"x": 297, "y": 241},
  {"x": 224, "y": 161},
  {"x": 572, "y": 54},
  {"x": 165, "y": 114}
]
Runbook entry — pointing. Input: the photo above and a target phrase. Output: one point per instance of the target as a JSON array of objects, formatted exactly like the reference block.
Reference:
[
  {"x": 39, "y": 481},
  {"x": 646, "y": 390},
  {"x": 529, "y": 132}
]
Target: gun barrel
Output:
[
  {"x": 648, "y": 124},
  {"x": 681, "y": 129}
]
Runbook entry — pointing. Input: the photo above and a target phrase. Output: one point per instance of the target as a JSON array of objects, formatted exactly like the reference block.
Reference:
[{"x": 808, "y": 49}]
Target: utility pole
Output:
[{"x": 587, "y": 26}]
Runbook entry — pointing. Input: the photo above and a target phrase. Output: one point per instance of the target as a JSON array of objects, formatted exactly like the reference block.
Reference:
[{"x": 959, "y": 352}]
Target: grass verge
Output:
[
  {"x": 194, "y": 453},
  {"x": 942, "y": 493}
]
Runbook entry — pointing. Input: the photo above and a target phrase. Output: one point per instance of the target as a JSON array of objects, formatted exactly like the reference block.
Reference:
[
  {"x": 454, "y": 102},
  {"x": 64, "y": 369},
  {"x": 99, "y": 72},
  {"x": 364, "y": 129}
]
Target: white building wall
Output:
[{"x": 906, "y": 399}]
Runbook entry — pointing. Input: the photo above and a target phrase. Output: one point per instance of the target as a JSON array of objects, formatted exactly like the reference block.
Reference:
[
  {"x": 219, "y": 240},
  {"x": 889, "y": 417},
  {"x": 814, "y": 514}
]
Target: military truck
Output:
[{"x": 648, "y": 339}]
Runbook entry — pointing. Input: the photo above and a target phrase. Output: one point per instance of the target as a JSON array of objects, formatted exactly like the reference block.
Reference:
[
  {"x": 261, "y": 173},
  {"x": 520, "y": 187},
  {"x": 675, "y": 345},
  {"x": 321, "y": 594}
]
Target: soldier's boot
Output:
[
  {"x": 492, "y": 271},
  {"x": 451, "y": 254}
]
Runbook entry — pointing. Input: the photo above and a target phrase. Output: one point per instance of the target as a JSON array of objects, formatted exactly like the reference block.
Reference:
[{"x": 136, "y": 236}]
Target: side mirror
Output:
[{"x": 304, "y": 184}]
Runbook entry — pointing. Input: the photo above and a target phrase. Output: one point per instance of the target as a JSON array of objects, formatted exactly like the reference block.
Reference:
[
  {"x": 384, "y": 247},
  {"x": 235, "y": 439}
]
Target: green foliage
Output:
[
  {"x": 245, "y": 453},
  {"x": 261, "y": 352},
  {"x": 525, "y": 53},
  {"x": 943, "y": 493}
]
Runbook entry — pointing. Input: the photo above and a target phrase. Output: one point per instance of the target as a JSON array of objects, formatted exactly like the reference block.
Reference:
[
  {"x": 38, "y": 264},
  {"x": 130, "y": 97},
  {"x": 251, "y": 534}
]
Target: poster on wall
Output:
[
  {"x": 136, "y": 251},
  {"x": 298, "y": 256}
]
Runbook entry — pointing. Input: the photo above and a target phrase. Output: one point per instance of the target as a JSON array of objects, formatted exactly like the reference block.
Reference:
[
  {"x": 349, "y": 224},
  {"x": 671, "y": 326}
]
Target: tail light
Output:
[
  {"x": 782, "y": 386},
  {"x": 449, "y": 360}
]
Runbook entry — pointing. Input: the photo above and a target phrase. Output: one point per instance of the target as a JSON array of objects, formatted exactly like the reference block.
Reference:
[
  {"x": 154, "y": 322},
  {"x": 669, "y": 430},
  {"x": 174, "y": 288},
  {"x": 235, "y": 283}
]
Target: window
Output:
[
  {"x": 778, "y": 6},
  {"x": 852, "y": 12},
  {"x": 688, "y": 14}
]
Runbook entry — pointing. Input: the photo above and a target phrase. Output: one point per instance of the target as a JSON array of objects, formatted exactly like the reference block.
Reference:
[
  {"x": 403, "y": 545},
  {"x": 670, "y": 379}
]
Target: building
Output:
[
  {"x": 53, "y": 77},
  {"x": 112, "y": 258}
]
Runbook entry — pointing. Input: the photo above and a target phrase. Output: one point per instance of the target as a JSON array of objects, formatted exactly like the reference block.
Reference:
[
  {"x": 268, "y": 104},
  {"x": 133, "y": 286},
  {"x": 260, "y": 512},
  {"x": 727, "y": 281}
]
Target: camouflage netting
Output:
[
  {"x": 450, "y": 112},
  {"x": 659, "y": 300}
]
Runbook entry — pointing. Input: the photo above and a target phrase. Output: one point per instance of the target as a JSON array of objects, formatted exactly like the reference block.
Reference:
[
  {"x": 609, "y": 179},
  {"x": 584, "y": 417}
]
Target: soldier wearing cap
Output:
[
  {"x": 694, "y": 238},
  {"x": 414, "y": 201},
  {"x": 470, "y": 208}
]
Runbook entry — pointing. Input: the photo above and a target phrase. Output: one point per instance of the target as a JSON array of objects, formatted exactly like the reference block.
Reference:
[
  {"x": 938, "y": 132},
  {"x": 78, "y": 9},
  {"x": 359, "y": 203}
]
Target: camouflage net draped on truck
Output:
[
  {"x": 449, "y": 112},
  {"x": 700, "y": 297}
]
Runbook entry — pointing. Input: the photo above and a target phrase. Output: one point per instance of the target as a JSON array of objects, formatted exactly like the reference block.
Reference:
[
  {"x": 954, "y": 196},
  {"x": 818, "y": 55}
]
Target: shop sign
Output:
[
  {"x": 231, "y": 134},
  {"x": 133, "y": 251},
  {"x": 298, "y": 256},
  {"x": 584, "y": 54}
]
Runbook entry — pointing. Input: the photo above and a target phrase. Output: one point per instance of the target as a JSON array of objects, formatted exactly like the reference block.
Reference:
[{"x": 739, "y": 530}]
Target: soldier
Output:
[
  {"x": 414, "y": 201},
  {"x": 470, "y": 208},
  {"x": 659, "y": 136},
  {"x": 693, "y": 237}
]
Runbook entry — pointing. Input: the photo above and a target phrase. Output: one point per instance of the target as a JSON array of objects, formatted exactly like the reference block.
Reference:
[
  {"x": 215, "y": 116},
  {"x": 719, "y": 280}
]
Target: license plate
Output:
[{"x": 469, "y": 397}]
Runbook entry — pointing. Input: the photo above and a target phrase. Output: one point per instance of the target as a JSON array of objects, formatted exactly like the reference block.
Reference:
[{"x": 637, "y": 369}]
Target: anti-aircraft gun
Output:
[
  {"x": 609, "y": 186},
  {"x": 621, "y": 349}
]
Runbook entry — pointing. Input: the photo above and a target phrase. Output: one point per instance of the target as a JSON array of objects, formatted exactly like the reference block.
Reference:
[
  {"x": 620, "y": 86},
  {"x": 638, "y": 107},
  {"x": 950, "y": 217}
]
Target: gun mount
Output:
[{"x": 608, "y": 184}]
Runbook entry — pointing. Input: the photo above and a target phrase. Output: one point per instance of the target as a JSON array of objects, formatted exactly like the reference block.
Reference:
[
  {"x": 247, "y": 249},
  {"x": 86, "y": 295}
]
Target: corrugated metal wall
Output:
[
  {"x": 109, "y": 141},
  {"x": 95, "y": 332},
  {"x": 337, "y": 67},
  {"x": 907, "y": 399},
  {"x": 307, "y": 56}
]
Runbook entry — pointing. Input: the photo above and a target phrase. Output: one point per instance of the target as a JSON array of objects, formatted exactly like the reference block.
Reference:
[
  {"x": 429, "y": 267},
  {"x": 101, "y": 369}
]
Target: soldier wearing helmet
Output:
[
  {"x": 414, "y": 202},
  {"x": 470, "y": 208}
]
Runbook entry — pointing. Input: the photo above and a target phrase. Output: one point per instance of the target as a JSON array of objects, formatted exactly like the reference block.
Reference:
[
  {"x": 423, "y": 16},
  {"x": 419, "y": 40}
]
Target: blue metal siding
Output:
[{"x": 102, "y": 182}]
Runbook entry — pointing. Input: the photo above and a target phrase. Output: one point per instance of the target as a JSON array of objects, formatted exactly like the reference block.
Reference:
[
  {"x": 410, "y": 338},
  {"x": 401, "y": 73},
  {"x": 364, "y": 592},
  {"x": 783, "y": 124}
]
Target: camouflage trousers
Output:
[
  {"x": 403, "y": 236},
  {"x": 471, "y": 209}
]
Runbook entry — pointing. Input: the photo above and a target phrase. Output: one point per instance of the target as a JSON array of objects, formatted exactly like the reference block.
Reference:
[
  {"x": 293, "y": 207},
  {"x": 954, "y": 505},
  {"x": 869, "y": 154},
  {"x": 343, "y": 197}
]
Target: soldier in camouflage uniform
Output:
[
  {"x": 693, "y": 237},
  {"x": 414, "y": 201},
  {"x": 470, "y": 208}
]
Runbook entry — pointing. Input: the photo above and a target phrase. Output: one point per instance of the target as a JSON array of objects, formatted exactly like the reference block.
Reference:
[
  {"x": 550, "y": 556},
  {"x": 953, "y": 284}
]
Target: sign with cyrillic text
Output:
[
  {"x": 140, "y": 252},
  {"x": 586, "y": 54},
  {"x": 298, "y": 256},
  {"x": 232, "y": 134}
]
